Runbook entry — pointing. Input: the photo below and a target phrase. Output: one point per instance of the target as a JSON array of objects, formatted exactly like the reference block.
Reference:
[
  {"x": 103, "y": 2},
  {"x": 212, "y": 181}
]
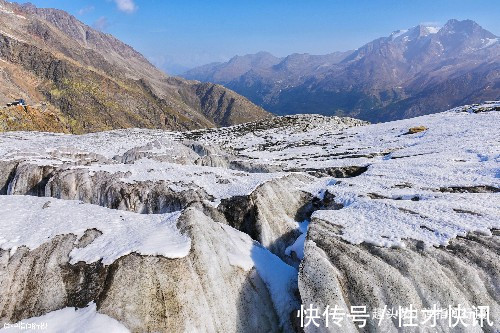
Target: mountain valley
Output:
[{"x": 413, "y": 72}]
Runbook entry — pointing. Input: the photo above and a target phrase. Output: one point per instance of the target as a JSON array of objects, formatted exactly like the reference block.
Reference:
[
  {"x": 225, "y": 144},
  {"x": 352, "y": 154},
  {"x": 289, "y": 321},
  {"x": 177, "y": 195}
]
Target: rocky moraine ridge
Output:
[{"x": 232, "y": 229}]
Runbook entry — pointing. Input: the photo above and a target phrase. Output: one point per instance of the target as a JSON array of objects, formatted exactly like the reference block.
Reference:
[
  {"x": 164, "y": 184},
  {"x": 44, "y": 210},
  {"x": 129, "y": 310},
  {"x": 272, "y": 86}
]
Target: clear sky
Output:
[{"x": 179, "y": 34}]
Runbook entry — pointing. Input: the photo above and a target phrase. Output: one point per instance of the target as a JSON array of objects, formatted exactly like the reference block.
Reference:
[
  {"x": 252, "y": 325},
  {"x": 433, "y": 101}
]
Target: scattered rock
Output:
[{"x": 416, "y": 129}]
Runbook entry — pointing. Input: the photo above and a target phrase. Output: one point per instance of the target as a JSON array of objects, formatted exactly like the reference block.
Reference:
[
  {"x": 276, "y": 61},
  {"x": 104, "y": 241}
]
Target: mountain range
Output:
[
  {"x": 83, "y": 80},
  {"x": 77, "y": 79},
  {"x": 412, "y": 72}
]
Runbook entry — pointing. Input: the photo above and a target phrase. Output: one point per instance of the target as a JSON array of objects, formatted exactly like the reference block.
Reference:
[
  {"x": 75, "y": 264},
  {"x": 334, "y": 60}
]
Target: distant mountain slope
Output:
[
  {"x": 411, "y": 72},
  {"x": 97, "y": 82},
  {"x": 234, "y": 68}
]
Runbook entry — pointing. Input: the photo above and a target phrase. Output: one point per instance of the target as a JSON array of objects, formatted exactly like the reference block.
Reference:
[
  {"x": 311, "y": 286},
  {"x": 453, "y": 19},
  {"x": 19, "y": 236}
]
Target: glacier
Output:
[{"x": 232, "y": 229}]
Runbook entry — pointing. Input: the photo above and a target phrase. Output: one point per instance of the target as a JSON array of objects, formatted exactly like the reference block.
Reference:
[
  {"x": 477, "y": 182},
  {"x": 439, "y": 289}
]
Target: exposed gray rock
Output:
[
  {"x": 271, "y": 212},
  {"x": 201, "y": 292},
  {"x": 101, "y": 188},
  {"x": 334, "y": 272}
]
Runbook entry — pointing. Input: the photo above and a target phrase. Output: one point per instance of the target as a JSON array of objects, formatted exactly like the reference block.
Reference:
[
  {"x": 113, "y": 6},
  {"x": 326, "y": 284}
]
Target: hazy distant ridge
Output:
[{"x": 412, "y": 72}]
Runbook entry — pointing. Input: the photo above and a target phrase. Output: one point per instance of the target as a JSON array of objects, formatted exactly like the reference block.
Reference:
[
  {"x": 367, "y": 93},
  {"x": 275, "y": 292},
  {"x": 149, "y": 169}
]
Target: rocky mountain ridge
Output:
[
  {"x": 99, "y": 83},
  {"x": 412, "y": 72}
]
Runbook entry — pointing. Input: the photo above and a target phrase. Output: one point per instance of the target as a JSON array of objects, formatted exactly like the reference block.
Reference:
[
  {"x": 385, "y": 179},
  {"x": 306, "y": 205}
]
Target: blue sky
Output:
[{"x": 176, "y": 34}]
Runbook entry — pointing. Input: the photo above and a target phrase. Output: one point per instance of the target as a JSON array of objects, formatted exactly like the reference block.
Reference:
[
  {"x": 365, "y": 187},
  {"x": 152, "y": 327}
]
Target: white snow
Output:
[
  {"x": 25, "y": 222},
  {"x": 298, "y": 245},
  {"x": 407, "y": 34},
  {"x": 398, "y": 33},
  {"x": 432, "y": 29},
  {"x": 432, "y": 220},
  {"x": 290, "y": 146},
  {"x": 107, "y": 144},
  {"x": 69, "y": 320},
  {"x": 459, "y": 149},
  {"x": 280, "y": 278},
  {"x": 221, "y": 183},
  {"x": 489, "y": 42}
]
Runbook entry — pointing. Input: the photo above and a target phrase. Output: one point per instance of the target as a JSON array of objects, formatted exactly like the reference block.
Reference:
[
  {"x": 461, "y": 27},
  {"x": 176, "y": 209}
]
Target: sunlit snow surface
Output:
[
  {"x": 279, "y": 277},
  {"x": 31, "y": 221},
  {"x": 407, "y": 191},
  {"x": 69, "y": 320},
  {"x": 405, "y": 194}
]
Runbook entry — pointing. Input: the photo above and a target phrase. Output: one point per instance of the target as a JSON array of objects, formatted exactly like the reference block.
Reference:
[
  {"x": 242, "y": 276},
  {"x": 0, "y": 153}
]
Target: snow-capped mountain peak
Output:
[{"x": 419, "y": 31}]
